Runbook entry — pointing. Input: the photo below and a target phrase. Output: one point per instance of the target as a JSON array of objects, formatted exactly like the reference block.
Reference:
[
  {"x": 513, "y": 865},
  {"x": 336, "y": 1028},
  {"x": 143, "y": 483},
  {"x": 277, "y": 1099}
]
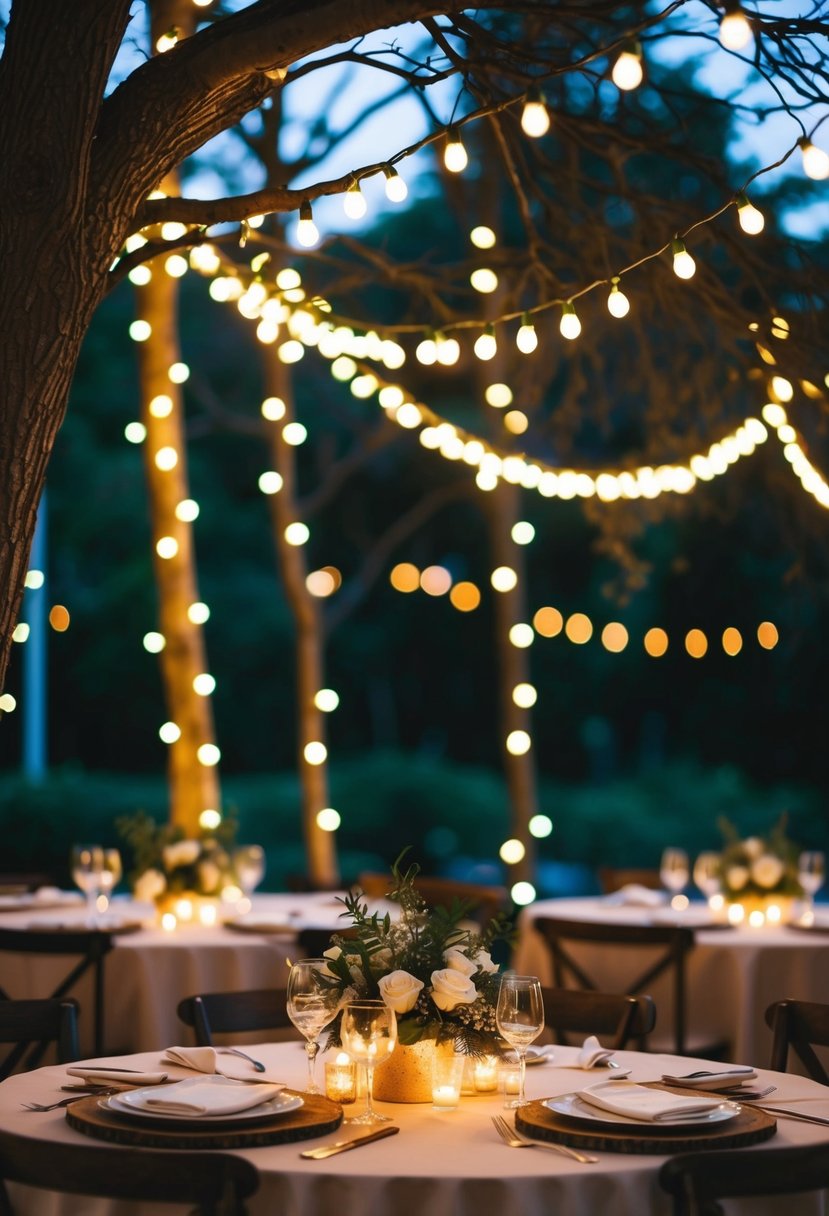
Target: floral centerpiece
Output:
[
  {"x": 756, "y": 868},
  {"x": 168, "y": 864},
  {"x": 430, "y": 966}
]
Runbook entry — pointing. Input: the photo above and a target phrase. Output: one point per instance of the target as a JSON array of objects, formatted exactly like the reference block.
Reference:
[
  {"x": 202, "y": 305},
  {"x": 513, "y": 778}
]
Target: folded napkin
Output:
[
  {"x": 204, "y": 1096},
  {"x": 126, "y": 1076},
  {"x": 634, "y": 895},
  {"x": 725, "y": 1079},
  {"x": 206, "y": 1059},
  {"x": 592, "y": 1054},
  {"x": 647, "y": 1105}
]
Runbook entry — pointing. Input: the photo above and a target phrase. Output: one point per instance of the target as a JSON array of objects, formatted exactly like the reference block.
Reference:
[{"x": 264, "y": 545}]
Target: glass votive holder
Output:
[
  {"x": 341, "y": 1080},
  {"x": 447, "y": 1078},
  {"x": 509, "y": 1083},
  {"x": 485, "y": 1074}
]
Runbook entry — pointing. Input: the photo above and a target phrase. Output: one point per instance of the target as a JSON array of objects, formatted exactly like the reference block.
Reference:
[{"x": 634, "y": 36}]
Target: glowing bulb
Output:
[
  {"x": 735, "y": 31},
  {"x": 306, "y": 231},
  {"x": 396, "y": 188},
  {"x": 167, "y": 41},
  {"x": 815, "y": 161},
  {"x": 526, "y": 339},
  {"x": 627, "y": 71},
  {"x": 427, "y": 352},
  {"x": 486, "y": 346},
  {"x": 354, "y": 204},
  {"x": 618, "y": 305},
  {"x": 454, "y": 154},
  {"x": 569, "y": 324},
  {"x": 751, "y": 220},
  {"x": 684, "y": 264},
  {"x": 535, "y": 120},
  {"x": 482, "y": 237}
]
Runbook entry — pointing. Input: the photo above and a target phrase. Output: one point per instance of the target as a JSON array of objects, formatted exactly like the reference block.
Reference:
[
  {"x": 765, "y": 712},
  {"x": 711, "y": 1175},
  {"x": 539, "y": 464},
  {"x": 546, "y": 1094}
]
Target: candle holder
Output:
[
  {"x": 447, "y": 1078},
  {"x": 341, "y": 1080},
  {"x": 485, "y": 1074}
]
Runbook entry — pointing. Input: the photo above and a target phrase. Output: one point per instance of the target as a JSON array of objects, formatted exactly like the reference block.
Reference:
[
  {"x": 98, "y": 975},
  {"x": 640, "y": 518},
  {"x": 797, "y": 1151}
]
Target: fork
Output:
[
  {"x": 516, "y": 1140},
  {"x": 234, "y": 1051},
  {"x": 39, "y": 1106}
]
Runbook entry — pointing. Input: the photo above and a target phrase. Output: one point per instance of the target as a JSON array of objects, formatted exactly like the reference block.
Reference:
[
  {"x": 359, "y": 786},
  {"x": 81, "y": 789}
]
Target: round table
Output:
[{"x": 444, "y": 1163}]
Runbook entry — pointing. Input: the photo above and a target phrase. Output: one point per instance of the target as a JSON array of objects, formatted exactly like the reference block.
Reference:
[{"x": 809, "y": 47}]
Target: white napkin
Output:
[
  {"x": 592, "y": 1054},
  {"x": 208, "y": 1096},
  {"x": 126, "y": 1076},
  {"x": 726, "y": 1078},
  {"x": 647, "y": 1105},
  {"x": 206, "y": 1059},
  {"x": 634, "y": 895}
]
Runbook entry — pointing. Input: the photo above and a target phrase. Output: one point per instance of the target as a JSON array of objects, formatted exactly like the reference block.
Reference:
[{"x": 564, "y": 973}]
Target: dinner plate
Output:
[
  {"x": 574, "y": 1107},
  {"x": 535, "y": 1055},
  {"x": 120, "y": 1104}
]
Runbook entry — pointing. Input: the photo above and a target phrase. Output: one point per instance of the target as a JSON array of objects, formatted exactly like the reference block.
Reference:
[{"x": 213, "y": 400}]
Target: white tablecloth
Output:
[
  {"x": 151, "y": 970},
  {"x": 734, "y": 974},
  {"x": 442, "y": 1163}
]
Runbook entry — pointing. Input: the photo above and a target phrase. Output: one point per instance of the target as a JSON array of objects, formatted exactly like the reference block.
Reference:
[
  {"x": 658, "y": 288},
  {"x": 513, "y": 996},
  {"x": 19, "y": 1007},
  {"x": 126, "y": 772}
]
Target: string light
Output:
[
  {"x": 486, "y": 344},
  {"x": 167, "y": 41},
  {"x": 306, "y": 232},
  {"x": 454, "y": 154},
  {"x": 396, "y": 188},
  {"x": 735, "y": 30},
  {"x": 526, "y": 339},
  {"x": 751, "y": 220},
  {"x": 482, "y": 237},
  {"x": 569, "y": 324},
  {"x": 815, "y": 160},
  {"x": 684, "y": 265},
  {"x": 628, "y": 72},
  {"x": 618, "y": 305},
  {"x": 354, "y": 203},
  {"x": 535, "y": 118}
]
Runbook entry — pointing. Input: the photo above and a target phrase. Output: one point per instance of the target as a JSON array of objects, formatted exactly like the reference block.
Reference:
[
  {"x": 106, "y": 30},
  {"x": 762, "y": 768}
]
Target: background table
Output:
[
  {"x": 444, "y": 1163},
  {"x": 733, "y": 974}
]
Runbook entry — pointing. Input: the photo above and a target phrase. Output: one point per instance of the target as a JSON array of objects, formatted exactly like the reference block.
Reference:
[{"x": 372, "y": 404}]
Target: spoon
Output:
[{"x": 234, "y": 1051}]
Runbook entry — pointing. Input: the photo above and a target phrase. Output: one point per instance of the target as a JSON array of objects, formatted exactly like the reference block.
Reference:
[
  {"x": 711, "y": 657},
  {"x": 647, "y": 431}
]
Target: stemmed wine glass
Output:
[
  {"x": 369, "y": 1034},
  {"x": 674, "y": 870},
  {"x": 87, "y": 863},
  {"x": 311, "y": 1005},
  {"x": 249, "y": 864},
  {"x": 707, "y": 874},
  {"x": 108, "y": 877},
  {"x": 811, "y": 873},
  {"x": 519, "y": 1016}
]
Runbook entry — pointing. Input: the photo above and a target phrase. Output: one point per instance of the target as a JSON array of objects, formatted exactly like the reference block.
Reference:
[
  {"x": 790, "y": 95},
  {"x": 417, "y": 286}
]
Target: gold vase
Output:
[{"x": 406, "y": 1076}]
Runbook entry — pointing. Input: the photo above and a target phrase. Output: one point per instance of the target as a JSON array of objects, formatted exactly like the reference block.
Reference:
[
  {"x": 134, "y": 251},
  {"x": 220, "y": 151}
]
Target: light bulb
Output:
[
  {"x": 306, "y": 231},
  {"x": 427, "y": 351},
  {"x": 448, "y": 350},
  {"x": 454, "y": 154},
  {"x": 627, "y": 71},
  {"x": 486, "y": 346},
  {"x": 526, "y": 339},
  {"x": 751, "y": 220},
  {"x": 618, "y": 305},
  {"x": 735, "y": 31},
  {"x": 684, "y": 264},
  {"x": 354, "y": 204},
  {"x": 815, "y": 161},
  {"x": 569, "y": 324},
  {"x": 396, "y": 188},
  {"x": 535, "y": 119}
]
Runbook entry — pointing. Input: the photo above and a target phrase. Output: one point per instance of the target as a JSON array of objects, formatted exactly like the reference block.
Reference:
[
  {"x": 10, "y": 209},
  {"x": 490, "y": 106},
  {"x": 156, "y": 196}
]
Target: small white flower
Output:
[
  {"x": 381, "y": 959},
  {"x": 451, "y": 988},
  {"x": 483, "y": 960},
  {"x": 767, "y": 870},
  {"x": 400, "y": 990},
  {"x": 182, "y": 853},
  {"x": 456, "y": 960}
]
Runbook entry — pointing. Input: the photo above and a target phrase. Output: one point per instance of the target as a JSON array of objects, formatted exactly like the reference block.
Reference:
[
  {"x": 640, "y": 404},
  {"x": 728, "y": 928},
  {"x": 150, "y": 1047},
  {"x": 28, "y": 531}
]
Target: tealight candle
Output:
[
  {"x": 446, "y": 1096},
  {"x": 510, "y": 1081},
  {"x": 341, "y": 1080},
  {"x": 447, "y": 1078},
  {"x": 485, "y": 1074}
]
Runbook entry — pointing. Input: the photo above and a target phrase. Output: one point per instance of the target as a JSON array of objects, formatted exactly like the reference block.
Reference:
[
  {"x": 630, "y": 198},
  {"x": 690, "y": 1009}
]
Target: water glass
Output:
[
  {"x": 311, "y": 1004},
  {"x": 674, "y": 870},
  {"x": 368, "y": 1033},
  {"x": 519, "y": 1016}
]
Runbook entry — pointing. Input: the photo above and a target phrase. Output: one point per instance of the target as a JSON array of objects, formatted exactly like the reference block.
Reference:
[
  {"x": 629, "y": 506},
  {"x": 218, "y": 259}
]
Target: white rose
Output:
[
  {"x": 484, "y": 961},
  {"x": 182, "y": 853},
  {"x": 451, "y": 988},
  {"x": 767, "y": 870},
  {"x": 736, "y": 877},
  {"x": 209, "y": 876},
  {"x": 400, "y": 990},
  {"x": 456, "y": 960},
  {"x": 149, "y": 885}
]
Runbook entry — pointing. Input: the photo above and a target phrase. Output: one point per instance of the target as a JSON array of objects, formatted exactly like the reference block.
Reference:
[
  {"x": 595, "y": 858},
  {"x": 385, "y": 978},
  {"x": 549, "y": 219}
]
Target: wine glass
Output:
[
  {"x": 86, "y": 864},
  {"x": 707, "y": 874},
  {"x": 811, "y": 873},
  {"x": 249, "y": 865},
  {"x": 674, "y": 870},
  {"x": 311, "y": 1004},
  {"x": 369, "y": 1034},
  {"x": 108, "y": 877},
  {"x": 519, "y": 1016}
]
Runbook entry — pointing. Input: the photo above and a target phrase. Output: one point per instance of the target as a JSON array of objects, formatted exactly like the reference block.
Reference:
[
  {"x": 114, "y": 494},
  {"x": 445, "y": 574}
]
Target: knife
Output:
[{"x": 342, "y": 1146}]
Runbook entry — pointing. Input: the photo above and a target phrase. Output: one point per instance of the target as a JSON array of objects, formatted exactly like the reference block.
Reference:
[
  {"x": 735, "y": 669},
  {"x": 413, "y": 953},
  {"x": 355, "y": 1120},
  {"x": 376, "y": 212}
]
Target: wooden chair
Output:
[
  {"x": 697, "y": 1180},
  {"x": 483, "y": 902},
  {"x": 615, "y": 1019},
  {"x": 218, "y": 1183},
  {"x": 801, "y": 1026},
  {"x": 31, "y": 1026},
  {"x": 88, "y": 946},
  {"x": 234, "y": 1012},
  {"x": 667, "y": 948}
]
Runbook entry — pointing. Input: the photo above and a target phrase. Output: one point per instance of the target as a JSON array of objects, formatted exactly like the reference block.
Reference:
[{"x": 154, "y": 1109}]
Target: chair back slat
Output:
[
  {"x": 32, "y": 1025},
  {"x": 696, "y": 1181},
  {"x": 211, "y": 1013},
  {"x": 616, "y": 1019},
  {"x": 799, "y": 1026}
]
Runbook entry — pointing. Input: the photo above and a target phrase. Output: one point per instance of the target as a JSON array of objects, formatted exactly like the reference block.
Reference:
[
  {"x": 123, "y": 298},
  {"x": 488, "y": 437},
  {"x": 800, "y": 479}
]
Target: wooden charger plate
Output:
[
  {"x": 750, "y": 1126},
  {"x": 318, "y": 1116}
]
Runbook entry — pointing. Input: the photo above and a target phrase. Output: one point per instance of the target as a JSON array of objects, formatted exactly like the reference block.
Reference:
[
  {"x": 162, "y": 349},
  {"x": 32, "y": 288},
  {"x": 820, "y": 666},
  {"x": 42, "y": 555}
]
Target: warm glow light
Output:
[
  {"x": 732, "y": 641},
  {"x": 34, "y": 579},
  {"x": 484, "y": 280},
  {"x": 328, "y": 820},
  {"x": 326, "y": 700},
  {"x": 320, "y": 584},
  {"x": 512, "y": 851},
  {"x": 696, "y": 643},
  {"x": 579, "y": 628},
  {"x": 522, "y": 893},
  {"x": 187, "y": 510},
  {"x": 482, "y": 237},
  {"x": 354, "y": 203},
  {"x": 454, "y": 153},
  {"x": 465, "y": 597},
  {"x": 627, "y": 71},
  {"x": 315, "y": 753},
  {"x": 548, "y": 622},
  {"x": 526, "y": 339},
  {"x": 59, "y": 618},
  {"x": 154, "y": 642},
  {"x": 815, "y": 161},
  {"x": 140, "y": 331},
  {"x": 767, "y": 635},
  {"x": 209, "y": 819},
  {"x": 294, "y": 434},
  {"x": 516, "y": 422},
  {"x": 656, "y": 643},
  {"x": 486, "y": 345},
  {"x": 273, "y": 408},
  {"x": 569, "y": 325},
  {"x": 735, "y": 31},
  {"x": 503, "y": 578},
  {"x": 7, "y": 703},
  {"x": 166, "y": 459},
  {"x": 751, "y": 220},
  {"x": 140, "y": 276},
  {"x": 270, "y": 482},
  {"x": 614, "y": 637},
  {"x": 170, "y": 732},
  {"x": 499, "y": 396},
  {"x": 307, "y": 233},
  {"x": 161, "y": 406},
  {"x": 198, "y": 613},
  {"x": 204, "y": 684},
  {"x": 521, "y": 636},
  {"x": 518, "y": 743},
  {"x": 524, "y": 696},
  {"x": 178, "y": 373},
  {"x": 535, "y": 118},
  {"x": 135, "y": 432},
  {"x": 618, "y": 305},
  {"x": 540, "y": 826},
  {"x": 684, "y": 265},
  {"x": 396, "y": 188},
  {"x": 522, "y": 532},
  {"x": 297, "y": 533},
  {"x": 166, "y": 547},
  {"x": 208, "y": 755},
  {"x": 436, "y": 580},
  {"x": 176, "y": 266},
  {"x": 405, "y": 577},
  {"x": 172, "y": 230}
]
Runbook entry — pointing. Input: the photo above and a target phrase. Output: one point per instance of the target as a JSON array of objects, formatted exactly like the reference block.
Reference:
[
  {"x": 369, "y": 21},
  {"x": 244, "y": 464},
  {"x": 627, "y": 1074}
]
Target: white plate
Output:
[
  {"x": 575, "y": 1107},
  {"x": 120, "y": 1104},
  {"x": 535, "y": 1055}
]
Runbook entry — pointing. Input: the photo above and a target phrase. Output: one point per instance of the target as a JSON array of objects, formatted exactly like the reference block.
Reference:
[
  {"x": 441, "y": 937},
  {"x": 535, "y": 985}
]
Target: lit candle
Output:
[
  {"x": 511, "y": 1081},
  {"x": 446, "y": 1096},
  {"x": 168, "y": 922},
  {"x": 736, "y": 914},
  {"x": 184, "y": 909},
  {"x": 208, "y": 914},
  {"x": 756, "y": 919},
  {"x": 485, "y": 1074},
  {"x": 341, "y": 1080}
]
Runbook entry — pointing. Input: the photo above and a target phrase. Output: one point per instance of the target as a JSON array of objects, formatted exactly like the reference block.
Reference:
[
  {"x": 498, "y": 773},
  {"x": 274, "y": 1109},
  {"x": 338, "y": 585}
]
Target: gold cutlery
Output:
[
  {"x": 38, "y": 1106},
  {"x": 515, "y": 1139},
  {"x": 785, "y": 1113},
  {"x": 342, "y": 1146}
]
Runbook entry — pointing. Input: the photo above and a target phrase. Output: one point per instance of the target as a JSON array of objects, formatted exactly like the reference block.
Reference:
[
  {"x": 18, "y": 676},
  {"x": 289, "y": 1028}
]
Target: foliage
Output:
[
  {"x": 435, "y": 972},
  {"x": 757, "y": 865},
  {"x": 165, "y": 861}
]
